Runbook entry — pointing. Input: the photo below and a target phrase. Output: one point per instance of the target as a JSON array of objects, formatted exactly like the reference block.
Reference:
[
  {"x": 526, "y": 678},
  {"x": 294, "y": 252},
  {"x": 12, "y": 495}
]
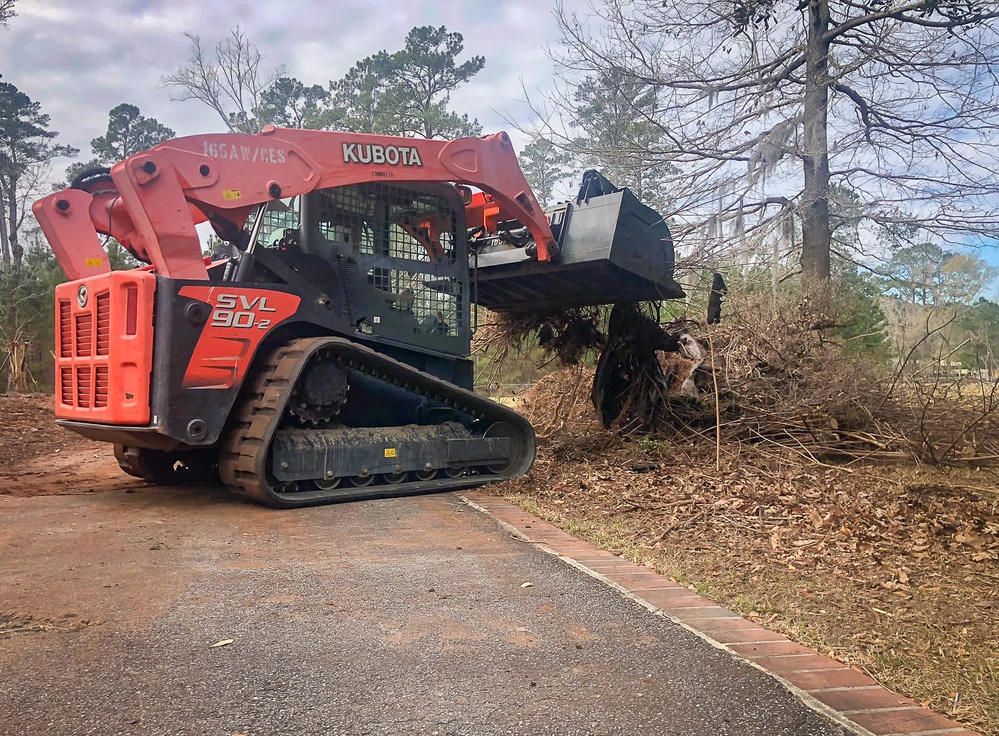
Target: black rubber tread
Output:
[{"x": 246, "y": 443}]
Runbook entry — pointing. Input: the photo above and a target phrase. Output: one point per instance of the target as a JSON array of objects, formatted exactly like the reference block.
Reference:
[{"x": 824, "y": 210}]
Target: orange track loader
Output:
[{"x": 321, "y": 354}]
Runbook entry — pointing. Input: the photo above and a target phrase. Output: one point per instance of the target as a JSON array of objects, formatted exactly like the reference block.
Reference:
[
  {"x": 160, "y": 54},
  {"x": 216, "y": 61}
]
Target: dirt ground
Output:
[
  {"x": 37, "y": 458},
  {"x": 890, "y": 568}
]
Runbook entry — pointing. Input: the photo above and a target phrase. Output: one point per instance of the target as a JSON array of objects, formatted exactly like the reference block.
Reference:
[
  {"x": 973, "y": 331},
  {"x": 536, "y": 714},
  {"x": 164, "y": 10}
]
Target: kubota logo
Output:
[{"x": 373, "y": 153}]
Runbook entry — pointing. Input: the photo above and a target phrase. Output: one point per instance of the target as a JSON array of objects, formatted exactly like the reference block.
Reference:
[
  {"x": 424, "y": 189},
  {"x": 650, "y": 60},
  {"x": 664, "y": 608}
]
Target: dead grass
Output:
[{"x": 889, "y": 568}]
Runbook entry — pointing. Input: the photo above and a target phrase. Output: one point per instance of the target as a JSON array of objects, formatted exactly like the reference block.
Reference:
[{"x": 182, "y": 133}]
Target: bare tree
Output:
[
  {"x": 767, "y": 108},
  {"x": 229, "y": 80},
  {"x": 6, "y": 11}
]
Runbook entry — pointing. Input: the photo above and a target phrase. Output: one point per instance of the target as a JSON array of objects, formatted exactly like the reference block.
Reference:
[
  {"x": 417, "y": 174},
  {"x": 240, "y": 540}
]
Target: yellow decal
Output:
[
  {"x": 93, "y": 262},
  {"x": 230, "y": 194},
  {"x": 390, "y": 452}
]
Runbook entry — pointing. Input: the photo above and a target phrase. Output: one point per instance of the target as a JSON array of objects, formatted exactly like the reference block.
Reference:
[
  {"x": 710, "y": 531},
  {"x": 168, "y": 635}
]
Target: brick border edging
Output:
[{"x": 826, "y": 685}]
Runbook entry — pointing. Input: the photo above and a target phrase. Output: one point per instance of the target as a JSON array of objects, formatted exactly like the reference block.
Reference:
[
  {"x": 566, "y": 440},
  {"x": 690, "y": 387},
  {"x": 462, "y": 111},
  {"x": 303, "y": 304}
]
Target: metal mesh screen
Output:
[
  {"x": 377, "y": 219},
  {"x": 403, "y": 240},
  {"x": 279, "y": 216}
]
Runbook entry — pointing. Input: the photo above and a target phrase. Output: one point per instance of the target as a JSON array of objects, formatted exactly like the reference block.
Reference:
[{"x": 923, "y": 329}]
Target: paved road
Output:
[{"x": 403, "y": 616}]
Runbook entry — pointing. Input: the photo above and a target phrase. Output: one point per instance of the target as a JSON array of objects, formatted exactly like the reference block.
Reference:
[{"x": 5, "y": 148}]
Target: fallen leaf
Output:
[
  {"x": 970, "y": 539},
  {"x": 223, "y": 643}
]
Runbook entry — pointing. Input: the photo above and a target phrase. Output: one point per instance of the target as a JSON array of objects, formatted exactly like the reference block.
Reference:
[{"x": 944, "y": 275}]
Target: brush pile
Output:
[{"x": 776, "y": 377}]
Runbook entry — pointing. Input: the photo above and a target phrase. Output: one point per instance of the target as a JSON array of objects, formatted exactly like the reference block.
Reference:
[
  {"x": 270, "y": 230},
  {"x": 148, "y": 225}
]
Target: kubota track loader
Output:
[{"x": 323, "y": 356}]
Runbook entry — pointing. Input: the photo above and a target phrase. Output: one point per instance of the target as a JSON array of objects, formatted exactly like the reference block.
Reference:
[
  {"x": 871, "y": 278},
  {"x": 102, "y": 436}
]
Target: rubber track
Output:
[{"x": 245, "y": 445}]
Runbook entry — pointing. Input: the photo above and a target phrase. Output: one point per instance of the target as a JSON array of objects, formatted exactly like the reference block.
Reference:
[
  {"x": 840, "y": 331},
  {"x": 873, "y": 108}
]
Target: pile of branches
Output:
[
  {"x": 771, "y": 376},
  {"x": 567, "y": 335}
]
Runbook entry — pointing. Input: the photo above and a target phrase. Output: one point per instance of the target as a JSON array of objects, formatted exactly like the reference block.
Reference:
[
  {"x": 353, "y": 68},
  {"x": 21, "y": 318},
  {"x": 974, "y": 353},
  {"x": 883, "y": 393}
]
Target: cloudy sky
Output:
[{"x": 80, "y": 58}]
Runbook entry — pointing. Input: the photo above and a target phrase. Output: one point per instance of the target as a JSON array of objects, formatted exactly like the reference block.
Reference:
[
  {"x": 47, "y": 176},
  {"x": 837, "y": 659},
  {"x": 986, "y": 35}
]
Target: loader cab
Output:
[{"x": 393, "y": 258}]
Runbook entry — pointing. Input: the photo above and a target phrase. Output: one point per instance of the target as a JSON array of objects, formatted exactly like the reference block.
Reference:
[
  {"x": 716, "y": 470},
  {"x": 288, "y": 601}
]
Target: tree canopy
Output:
[
  {"x": 544, "y": 165},
  {"x": 128, "y": 132},
  {"x": 26, "y": 148},
  {"x": 612, "y": 113},
  {"x": 291, "y": 104},
  {"x": 6, "y": 11},
  {"x": 407, "y": 92}
]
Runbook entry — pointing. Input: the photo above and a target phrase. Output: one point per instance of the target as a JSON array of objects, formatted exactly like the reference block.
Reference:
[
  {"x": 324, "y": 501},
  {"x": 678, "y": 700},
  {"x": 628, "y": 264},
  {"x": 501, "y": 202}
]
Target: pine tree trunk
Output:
[{"x": 816, "y": 235}]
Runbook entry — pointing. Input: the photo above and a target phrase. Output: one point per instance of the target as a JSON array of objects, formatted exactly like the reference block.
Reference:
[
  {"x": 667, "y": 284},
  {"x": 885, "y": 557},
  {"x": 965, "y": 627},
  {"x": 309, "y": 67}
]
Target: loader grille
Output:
[
  {"x": 100, "y": 386},
  {"x": 65, "y": 329},
  {"x": 103, "y": 349},
  {"x": 83, "y": 384},
  {"x": 103, "y": 323},
  {"x": 66, "y": 386},
  {"x": 84, "y": 335}
]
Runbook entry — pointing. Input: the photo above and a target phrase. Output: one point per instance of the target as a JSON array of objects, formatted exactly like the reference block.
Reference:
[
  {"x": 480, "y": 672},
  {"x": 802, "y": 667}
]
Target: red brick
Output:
[
  {"x": 862, "y": 699},
  {"x": 902, "y": 721},
  {"x": 816, "y": 679},
  {"x": 723, "y": 619},
  {"x": 736, "y": 635},
  {"x": 679, "y": 604},
  {"x": 641, "y": 579},
  {"x": 736, "y": 624},
  {"x": 605, "y": 568},
  {"x": 771, "y": 650},
  {"x": 695, "y": 617},
  {"x": 796, "y": 663},
  {"x": 535, "y": 531},
  {"x": 669, "y": 597},
  {"x": 607, "y": 563}
]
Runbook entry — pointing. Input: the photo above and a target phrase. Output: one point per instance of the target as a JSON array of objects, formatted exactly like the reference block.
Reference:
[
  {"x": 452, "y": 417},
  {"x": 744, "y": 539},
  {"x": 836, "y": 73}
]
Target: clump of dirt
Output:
[
  {"x": 568, "y": 334},
  {"x": 28, "y": 430},
  {"x": 891, "y": 568}
]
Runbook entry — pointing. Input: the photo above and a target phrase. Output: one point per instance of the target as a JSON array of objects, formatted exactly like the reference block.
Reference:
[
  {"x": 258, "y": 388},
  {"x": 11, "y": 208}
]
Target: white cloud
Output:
[{"x": 80, "y": 59}]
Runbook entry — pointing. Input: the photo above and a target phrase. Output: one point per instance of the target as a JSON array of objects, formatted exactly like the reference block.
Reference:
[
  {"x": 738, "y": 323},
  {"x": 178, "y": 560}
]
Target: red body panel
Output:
[
  {"x": 104, "y": 347},
  {"x": 240, "y": 318}
]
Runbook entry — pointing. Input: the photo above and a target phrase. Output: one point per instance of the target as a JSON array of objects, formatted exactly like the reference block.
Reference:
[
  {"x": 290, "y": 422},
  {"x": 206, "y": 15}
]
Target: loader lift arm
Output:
[{"x": 157, "y": 197}]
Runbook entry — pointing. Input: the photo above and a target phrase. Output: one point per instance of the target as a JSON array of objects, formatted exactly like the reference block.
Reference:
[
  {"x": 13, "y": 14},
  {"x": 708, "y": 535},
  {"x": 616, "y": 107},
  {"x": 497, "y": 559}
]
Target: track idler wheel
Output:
[{"x": 504, "y": 429}]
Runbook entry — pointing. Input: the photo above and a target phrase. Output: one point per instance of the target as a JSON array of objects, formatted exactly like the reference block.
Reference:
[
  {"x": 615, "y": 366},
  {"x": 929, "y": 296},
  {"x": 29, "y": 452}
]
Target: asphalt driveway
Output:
[{"x": 418, "y": 615}]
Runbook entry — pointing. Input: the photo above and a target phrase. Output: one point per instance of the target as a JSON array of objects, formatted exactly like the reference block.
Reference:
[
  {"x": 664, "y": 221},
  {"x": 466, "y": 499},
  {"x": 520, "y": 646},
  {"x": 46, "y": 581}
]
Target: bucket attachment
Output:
[{"x": 611, "y": 248}]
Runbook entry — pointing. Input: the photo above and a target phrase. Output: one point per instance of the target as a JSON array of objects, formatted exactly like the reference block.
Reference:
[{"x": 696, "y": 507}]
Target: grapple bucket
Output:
[{"x": 612, "y": 248}]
